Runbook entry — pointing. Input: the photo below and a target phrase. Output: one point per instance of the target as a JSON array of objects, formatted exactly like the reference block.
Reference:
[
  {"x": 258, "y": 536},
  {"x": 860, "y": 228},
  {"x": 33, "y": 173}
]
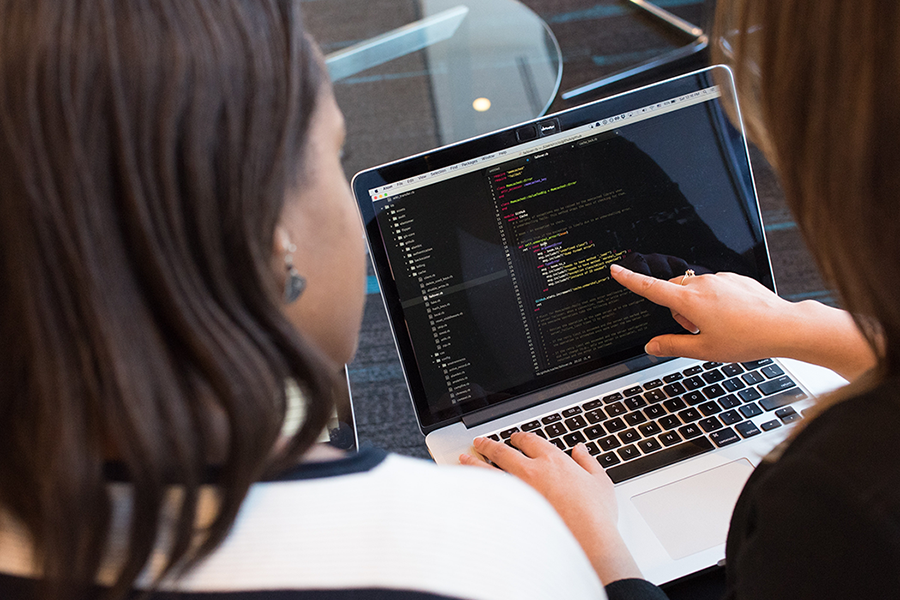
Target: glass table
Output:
[{"x": 412, "y": 75}]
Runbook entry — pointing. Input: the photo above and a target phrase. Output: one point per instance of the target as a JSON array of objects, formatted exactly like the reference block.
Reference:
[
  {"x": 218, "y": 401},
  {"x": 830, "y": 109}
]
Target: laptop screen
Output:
[{"x": 493, "y": 255}]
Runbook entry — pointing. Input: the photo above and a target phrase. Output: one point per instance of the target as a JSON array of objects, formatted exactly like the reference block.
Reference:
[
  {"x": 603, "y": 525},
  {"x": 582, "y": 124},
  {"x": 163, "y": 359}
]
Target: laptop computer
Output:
[{"x": 493, "y": 259}]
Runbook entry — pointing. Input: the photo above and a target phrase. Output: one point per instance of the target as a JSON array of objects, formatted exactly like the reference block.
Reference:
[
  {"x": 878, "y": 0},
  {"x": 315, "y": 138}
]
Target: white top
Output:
[{"x": 376, "y": 521}]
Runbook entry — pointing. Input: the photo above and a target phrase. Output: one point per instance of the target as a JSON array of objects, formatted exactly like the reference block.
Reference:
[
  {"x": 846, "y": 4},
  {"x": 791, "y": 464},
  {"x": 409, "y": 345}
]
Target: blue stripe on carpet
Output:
[
  {"x": 372, "y": 285},
  {"x": 781, "y": 226},
  {"x": 388, "y": 372},
  {"x": 823, "y": 296}
]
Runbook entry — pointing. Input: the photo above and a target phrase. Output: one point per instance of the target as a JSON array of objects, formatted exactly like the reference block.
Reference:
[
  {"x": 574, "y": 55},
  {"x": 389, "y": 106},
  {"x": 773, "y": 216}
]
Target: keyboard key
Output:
[
  {"x": 609, "y": 459},
  {"x": 709, "y": 408},
  {"x": 694, "y": 398},
  {"x": 592, "y": 448},
  {"x": 731, "y": 417},
  {"x": 612, "y": 398},
  {"x": 592, "y": 405},
  {"x": 551, "y": 419},
  {"x": 540, "y": 432},
  {"x": 770, "y": 425},
  {"x": 714, "y": 376},
  {"x": 629, "y": 436},
  {"x": 494, "y": 437},
  {"x": 653, "y": 384},
  {"x": 655, "y": 396},
  {"x": 635, "y": 403},
  {"x": 648, "y": 446},
  {"x": 633, "y": 391},
  {"x": 772, "y": 371},
  {"x": 674, "y": 389},
  {"x": 649, "y": 429},
  {"x": 635, "y": 418},
  {"x": 672, "y": 377},
  {"x": 749, "y": 395},
  {"x": 692, "y": 371},
  {"x": 571, "y": 412},
  {"x": 674, "y": 405},
  {"x": 782, "y": 399},
  {"x": 669, "y": 422},
  {"x": 559, "y": 443},
  {"x": 724, "y": 437},
  {"x": 595, "y": 416},
  {"x": 776, "y": 385},
  {"x": 575, "y": 423},
  {"x": 753, "y": 378},
  {"x": 714, "y": 391},
  {"x": 693, "y": 383},
  {"x": 531, "y": 426},
  {"x": 508, "y": 432},
  {"x": 689, "y": 414},
  {"x": 555, "y": 430},
  {"x": 654, "y": 411},
  {"x": 628, "y": 452},
  {"x": 755, "y": 364},
  {"x": 787, "y": 414},
  {"x": 614, "y": 425},
  {"x": 729, "y": 401},
  {"x": 710, "y": 424},
  {"x": 711, "y": 365},
  {"x": 657, "y": 460},
  {"x": 747, "y": 429},
  {"x": 732, "y": 370},
  {"x": 573, "y": 439},
  {"x": 615, "y": 409},
  {"x": 609, "y": 443},
  {"x": 690, "y": 431},
  {"x": 751, "y": 410},
  {"x": 670, "y": 438},
  {"x": 734, "y": 384},
  {"x": 594, "y": 431}
]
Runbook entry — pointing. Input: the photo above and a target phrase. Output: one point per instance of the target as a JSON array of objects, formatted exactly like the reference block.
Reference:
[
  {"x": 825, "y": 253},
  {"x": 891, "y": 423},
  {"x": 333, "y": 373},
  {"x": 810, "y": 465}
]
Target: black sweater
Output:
[{"x": 823, "y": 521}]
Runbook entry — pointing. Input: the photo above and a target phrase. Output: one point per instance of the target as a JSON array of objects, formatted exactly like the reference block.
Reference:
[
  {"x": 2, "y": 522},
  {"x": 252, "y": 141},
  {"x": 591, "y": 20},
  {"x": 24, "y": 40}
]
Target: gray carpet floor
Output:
[{"x": 390, "y": 114}]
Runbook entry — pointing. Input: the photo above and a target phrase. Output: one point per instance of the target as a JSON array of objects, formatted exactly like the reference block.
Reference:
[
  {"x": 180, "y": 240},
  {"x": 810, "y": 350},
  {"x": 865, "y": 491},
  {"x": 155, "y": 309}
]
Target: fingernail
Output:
[
  {"x": 652, "y": 348},
  {"x": 479, "y": 441},
  {"x": 615, "y": 268},
  {"x": 581, "y": 447}
]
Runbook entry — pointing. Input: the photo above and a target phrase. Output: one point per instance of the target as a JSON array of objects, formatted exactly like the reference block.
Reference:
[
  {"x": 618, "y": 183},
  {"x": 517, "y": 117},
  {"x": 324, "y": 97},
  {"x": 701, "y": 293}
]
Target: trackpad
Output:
[{"x": 693, "y": 514}]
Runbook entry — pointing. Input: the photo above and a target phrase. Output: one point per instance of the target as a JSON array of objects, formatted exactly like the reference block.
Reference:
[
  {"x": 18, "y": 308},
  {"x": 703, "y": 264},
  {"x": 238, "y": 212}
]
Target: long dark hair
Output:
[
  {"x": 146, "y": 149},
  {"x": 820, "y": 82}
]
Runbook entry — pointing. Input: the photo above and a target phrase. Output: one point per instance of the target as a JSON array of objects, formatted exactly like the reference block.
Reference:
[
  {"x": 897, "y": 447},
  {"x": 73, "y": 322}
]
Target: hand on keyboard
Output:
[{"x": 578, "y": 489}]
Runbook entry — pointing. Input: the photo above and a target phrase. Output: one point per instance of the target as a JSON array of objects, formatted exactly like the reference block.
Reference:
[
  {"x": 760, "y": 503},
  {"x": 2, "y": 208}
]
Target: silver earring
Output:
[{"x": 295, "y": 283}]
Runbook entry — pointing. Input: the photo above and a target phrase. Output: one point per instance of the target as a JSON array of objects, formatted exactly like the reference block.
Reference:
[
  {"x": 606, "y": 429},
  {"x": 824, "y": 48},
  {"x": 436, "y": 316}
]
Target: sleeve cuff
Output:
[{"x": 634, "y": 589}]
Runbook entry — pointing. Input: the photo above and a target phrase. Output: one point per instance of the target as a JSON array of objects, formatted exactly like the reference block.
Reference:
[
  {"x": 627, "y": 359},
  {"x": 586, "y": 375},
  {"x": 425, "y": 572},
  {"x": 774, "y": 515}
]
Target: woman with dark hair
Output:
[
  {"x": 820, "y": 517},
  {"x": 183, "y": 268}
]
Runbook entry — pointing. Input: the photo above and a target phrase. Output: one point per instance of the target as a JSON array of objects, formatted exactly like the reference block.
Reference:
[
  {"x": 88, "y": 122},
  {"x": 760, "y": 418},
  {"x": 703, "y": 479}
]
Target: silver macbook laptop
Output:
[{"x": 493, "y": 258}]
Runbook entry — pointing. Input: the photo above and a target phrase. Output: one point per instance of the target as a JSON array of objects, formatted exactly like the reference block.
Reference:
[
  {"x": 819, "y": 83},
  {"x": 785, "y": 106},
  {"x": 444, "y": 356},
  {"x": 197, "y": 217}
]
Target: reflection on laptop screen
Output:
[{"x": 501, "y": 262}]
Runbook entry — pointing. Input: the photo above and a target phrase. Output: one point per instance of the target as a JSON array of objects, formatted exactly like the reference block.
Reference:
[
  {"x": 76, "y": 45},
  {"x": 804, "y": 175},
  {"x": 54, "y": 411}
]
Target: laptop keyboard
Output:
[{"x": 646, "y": 427}]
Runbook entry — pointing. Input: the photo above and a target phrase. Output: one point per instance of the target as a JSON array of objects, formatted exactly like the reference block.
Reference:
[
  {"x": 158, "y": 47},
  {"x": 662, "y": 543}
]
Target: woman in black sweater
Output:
[{"x": 820, "y": 517}]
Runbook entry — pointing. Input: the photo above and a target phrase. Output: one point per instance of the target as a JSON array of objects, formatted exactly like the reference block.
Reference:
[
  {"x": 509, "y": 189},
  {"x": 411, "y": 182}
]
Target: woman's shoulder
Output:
[
  {"x": 378, "y": 518},
  {"x": 824, "y": 519},
  {"x": 854, "y": 432}
]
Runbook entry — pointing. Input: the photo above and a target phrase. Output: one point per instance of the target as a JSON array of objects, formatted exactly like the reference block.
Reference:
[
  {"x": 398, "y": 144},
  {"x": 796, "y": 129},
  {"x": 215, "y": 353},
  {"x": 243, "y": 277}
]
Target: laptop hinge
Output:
[{"x": 509, "y": 407}]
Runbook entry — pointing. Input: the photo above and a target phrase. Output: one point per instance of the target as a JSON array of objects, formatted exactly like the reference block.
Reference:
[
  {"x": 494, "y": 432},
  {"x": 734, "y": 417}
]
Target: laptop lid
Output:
[{"x": 493, "y": 254}]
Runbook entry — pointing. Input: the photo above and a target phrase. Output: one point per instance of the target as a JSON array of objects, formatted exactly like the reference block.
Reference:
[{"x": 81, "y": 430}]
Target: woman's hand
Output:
[
  {"x": 735, "y": 318},
  {"x": 578, "y": 489}
]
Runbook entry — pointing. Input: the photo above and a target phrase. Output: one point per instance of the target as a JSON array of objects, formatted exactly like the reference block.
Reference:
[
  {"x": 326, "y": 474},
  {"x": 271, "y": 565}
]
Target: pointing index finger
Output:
[{"x": 658, "y": 291}]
